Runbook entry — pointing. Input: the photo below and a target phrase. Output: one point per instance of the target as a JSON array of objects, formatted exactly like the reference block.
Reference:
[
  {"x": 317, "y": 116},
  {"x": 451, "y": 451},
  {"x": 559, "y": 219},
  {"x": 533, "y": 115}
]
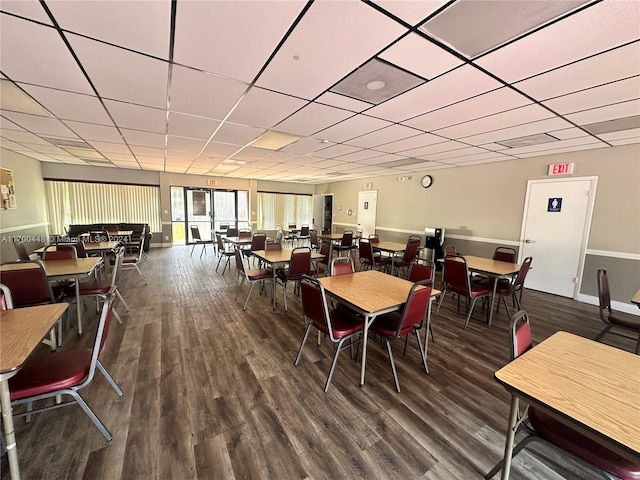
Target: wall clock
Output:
[{"x": 426, "y": 181}]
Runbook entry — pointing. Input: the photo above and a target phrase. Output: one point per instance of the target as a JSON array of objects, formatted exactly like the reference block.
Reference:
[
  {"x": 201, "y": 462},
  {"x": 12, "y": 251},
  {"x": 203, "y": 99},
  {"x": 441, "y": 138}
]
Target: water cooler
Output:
[{"x": 434, "y": 241}]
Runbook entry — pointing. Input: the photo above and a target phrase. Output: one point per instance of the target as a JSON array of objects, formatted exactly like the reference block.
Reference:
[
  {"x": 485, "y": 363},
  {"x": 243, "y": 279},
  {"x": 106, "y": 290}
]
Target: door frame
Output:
[
  {"x": 361, "y": 208},
  {"x": 587, "y": 222}
]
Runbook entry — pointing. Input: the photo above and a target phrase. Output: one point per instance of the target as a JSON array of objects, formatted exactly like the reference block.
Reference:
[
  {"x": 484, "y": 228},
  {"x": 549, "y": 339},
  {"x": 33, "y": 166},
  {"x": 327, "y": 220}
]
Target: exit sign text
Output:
[
  {"x": 561, "y": 169},
  {"x": 212, "y": 182}
]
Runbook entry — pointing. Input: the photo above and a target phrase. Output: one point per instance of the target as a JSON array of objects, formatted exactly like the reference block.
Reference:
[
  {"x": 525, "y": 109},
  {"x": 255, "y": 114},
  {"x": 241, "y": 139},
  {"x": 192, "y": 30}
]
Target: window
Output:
[
  {"x": 85, "y": 203},
  {"x": 283, "y": 208}
]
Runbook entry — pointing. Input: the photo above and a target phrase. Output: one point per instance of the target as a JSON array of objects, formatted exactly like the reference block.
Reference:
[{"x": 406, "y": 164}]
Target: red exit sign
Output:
[{"x": 560, "y": 169}]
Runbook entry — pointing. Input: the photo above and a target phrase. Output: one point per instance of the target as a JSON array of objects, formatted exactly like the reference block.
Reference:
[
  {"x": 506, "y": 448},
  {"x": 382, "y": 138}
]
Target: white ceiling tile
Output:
[
  {"x": 568, "y": 133},
  {"x": 40, "y": 125},
  {"x": 49, "y": 149},
  {"x": 143, "y": 139},
  {"x": 192, "y": 127},
  {"x": 622, "y": 62},
  {"x": 90, "y": 131},
  {"x": 576, "y": 148},
  {"x": 314, "y": 56},
  {"x": 237, "y": 134},
  {"x": 418, "y": 55},
  {"x": 610, "y": 93},
  {"x": 70, "y": 106},
  {"x": 611, "y": 112},
  {"x": 381, "y": 159},
  {"x": 598, "y": 28},
  {"x": 46, "y": 61},
  {"x": 341, "y": 101},
  {"x": 457, "y": 153},
  {"x": 625, "y": 141},
  {"x": 554, "y": 146},
  {"x": 262, "y": 108},
  {"x": 84, "y": 153},
  {"x": 541, "y": 126},
  {"x": 411, "y": 142},
  {"x": 120, "y": 157},
  {"x": 21, "y": 136},
  {"x": 424, "y": 152},
  {"x": 411, "y": 12},
  {"x": 336, "y": 150},
  {"x": 352, "y": 127},
  {"x": 216, "y": 26},
  {"x": 517, "y": 116},
  {"x": 185, "y": 145},
  {"x": 360, "y": 155},
  {"x": 481, "y": 106},
  {"x": 192, "y": 93},
  {"x": 307, "y": 145},
  {"x": 123, "y": 75},
  {"x": 144, "y": 27},
  {"x": 388, "y": 134},
  {"x": 312, "y": 118},
  {"x": 462, "y": 83},
  {"x": 128, "y": 115},
  {"x": 219, "y": 149},
  {"x": 107, "y": 147},
  {"x": 32, "y": 10},
  {"x": 251, "y": 153}
]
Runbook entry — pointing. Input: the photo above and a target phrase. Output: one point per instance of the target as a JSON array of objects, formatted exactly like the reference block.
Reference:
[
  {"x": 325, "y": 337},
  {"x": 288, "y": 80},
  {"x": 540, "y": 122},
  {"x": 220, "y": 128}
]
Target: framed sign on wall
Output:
[{"x": 7, "y": 189}]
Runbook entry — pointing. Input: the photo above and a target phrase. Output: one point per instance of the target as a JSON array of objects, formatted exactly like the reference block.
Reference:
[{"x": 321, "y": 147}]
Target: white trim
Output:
[
  {"x": 605, "y": 253},
  {"x": 345, "y": 224},
  {"x": 482, "y": 239},
  {"x": 164, "y": 245},
  {"x": 24, "y": 227},
  {"x": 618, "y": 306}
]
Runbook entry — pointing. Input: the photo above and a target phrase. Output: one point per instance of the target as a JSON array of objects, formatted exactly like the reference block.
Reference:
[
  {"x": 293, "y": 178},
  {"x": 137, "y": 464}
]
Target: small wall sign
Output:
[
  {"x": 212, "y": 182},
  {"x": 554, "y": 204},
  {"x": 368, "y": 185},
  {"x": 561, "y": 169}
]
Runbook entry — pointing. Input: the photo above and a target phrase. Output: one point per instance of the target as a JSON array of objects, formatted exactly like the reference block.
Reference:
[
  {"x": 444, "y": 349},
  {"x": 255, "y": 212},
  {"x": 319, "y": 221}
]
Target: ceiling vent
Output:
[{"x": 616, "y": 125}]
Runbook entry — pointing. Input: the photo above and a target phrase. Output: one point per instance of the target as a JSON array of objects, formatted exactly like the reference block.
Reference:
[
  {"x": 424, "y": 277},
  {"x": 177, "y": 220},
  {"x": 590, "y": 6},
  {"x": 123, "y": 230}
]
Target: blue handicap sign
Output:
[{"x": 554, "y": 204}]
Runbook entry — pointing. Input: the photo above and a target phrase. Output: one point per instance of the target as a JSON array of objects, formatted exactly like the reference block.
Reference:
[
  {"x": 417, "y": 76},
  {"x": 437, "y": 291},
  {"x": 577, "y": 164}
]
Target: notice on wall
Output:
[
  {"x": 554, "y": 204},
  {"x": 7, "y": 189}
]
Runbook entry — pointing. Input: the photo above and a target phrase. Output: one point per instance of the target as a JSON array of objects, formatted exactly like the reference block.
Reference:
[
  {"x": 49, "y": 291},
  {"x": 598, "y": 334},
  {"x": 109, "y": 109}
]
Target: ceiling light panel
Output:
[
  {"x": 262, "y": 108},
  {"x": 189, "y": 126},
  {"x": 314, "y": 56},
  {"x": 615, "y": 125},
  {"x": 462, "y": 83},
  {"x": 352, "y": 127},
  {"x": 272, "y": 140},
  {"x": 611, "y": 93},
  {"x": 618, "y": 138},
  {"x": 70, "y": 106},
  {"x": 528, "y": 140},
  {"x": 123, "y": 75},
  {"x": 598, "y": 28},
  {"x": 554, "y": 151},
  {"x": 481, "y": 106},
  {"x": 216, "y": 25},
  {"x": 622, "y": 62},
  {"x": 313, "y": 118},
  {"x": 541, "y": 126},
  {"x": 417, "y": 54},
  {"x": 47, "y": 61},
  {"x": 474, "y": 27},
  {"x": 143, "y": 28},
  {"x": 610, "y": 112},
  {"x": 127, "y": 115}
]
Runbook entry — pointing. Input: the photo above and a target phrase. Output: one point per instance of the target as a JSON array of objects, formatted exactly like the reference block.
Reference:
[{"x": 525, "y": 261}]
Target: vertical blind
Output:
[
  {"x": 84, "y": 203},
  {"x": 282, "y": 209}
]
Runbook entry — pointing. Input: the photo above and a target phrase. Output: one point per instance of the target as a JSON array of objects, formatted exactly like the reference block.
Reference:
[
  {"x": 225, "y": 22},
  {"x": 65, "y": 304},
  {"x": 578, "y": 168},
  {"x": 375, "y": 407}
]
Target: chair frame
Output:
[
  {"x": 368, "y": 260},
  {"x": 223, "y": 252},
  {"x": 195, "y": 235},
  {"x": 131, "y": 262},
  {"x": 515, "y": 286},
  {"x": 341, "y": 266},
  {"x": 286, "y": 275},
  {"x": 253, "y": 276}
]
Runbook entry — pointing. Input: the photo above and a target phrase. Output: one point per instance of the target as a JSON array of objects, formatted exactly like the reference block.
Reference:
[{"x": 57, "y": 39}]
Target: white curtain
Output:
[
  {"x": 102, "y": 203},
  {"x": 282, "y": 209}
]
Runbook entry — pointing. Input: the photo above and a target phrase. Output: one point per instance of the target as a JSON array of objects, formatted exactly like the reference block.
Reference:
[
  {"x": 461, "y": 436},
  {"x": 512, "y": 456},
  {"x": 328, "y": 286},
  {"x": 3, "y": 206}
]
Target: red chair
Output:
[
  {"x": 418, "y": 271},
  {"x": 542, "y": 427},
  {"x": 341, "y": 266},
  {"x": 258, "y": 242},
  {"x": 410, "y": 252},
  {"x": 394, "y": 325},
  {"x": 299, "y": 265},
  {"x": 253, "y": 276},
  {"x": 6, "y": 302},
  {"x": 368, "y": 259},
  {"x": 612, "y": 319},
  {"x": 346, "y": 244},
  {"x": 64, "y": 373},
  {"x": 335, "y": 323},
  {"x": 457, "y": 280},
  {"x": 223, "y": 252},
  {"x": 511, "y": 288},
  {"x": 60, "y": 252},
  {"x": 505, "y": 254},
  {"x": 21, "y": 250},
  {"x": 323, "y": 264}
]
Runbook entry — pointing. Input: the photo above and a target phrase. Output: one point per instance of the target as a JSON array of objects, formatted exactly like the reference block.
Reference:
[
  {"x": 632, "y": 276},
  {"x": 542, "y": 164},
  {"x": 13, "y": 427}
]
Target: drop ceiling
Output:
[{"x": 189, "y": 86}]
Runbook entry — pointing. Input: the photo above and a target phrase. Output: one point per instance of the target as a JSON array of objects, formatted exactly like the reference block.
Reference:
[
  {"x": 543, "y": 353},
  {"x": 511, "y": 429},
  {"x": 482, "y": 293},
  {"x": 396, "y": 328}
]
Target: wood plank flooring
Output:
[{"x": 211, "y": 392}]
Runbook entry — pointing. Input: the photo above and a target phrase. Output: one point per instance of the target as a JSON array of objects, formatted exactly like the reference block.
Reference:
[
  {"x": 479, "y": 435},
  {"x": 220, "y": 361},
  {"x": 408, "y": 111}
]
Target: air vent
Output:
[
  {"x": 527, "y": 141},
  {"x": 616, "y": 125},
  {"x": 66, "y": 142},
  {"x": 402, "y": 163}
]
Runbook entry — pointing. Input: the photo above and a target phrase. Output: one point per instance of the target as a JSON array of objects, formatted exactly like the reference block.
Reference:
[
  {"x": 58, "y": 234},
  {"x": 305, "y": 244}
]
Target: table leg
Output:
[
  {"x": 9, "y": 432},
  {"x": 511, "y": 434},
  {"x": 426, "y": 335},
  {"x": 78, "y": 307},
  {"x": 367, "y": 323},
  {"x": 493, "y": 298}
]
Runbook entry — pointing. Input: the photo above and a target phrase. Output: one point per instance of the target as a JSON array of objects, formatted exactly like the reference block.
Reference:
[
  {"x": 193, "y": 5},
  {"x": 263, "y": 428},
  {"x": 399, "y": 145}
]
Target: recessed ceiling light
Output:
[
  {"x": 376, "y": 85},
  {"x": 272, "y": 140}
]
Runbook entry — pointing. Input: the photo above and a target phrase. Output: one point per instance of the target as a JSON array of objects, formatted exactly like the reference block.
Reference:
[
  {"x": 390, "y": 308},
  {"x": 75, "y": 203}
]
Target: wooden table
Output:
[
  {"x": 238, "y": 240},
  {"x": 90, "y": 247},
  {"x": 392, "y": 248},
  {"x": 591, "y": 386},
  {"x": 22, "y": 330},
  {"x": 370, "y": 293},
  {"x": 331, "y": 238},
  {"x": 278, "y": 259}
]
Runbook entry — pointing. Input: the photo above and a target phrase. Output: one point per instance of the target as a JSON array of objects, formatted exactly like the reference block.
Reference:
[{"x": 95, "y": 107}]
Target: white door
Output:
[
  {"x": 318, "y": 212},
  {"x": 555, "y": 230},
  {"x": 366, "y": 214}
]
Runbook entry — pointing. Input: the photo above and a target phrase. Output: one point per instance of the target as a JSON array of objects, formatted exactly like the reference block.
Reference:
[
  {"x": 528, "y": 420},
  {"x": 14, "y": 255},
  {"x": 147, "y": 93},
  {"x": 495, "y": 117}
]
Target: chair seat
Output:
[
  {"x": 259, "y": 274},
  {"x": 621, "y": 320},
  {"x": 50, "y": 372},
  {"x": 283, "y": 274},
  {"x": 477, "y": 290},
  {"x": 342, "y": 323},
  {"x": 581, "y": 446},
  {"x": 90, "y": 288},
  {"x": 387, "y": 325}
]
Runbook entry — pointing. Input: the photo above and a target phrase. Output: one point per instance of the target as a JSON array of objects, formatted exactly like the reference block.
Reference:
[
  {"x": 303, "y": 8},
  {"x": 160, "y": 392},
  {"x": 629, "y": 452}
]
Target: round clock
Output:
[{"x": 426, "y": 181}]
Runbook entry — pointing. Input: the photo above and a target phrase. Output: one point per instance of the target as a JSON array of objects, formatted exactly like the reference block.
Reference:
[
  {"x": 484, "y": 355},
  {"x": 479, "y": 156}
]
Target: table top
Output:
[
  {"x": 281, "y": 256},
  {"x": 330, "y": 236},
  {"x": 238, "y": 240},
  {"x": 489, "y": 266},
  {"x": 370, "y": 291},
  {"x": 60, "y": 268},
  {"x": 89, "y": 247},
  {"x": 594, "y": 384},
  {"x": 390, "y": 246},
  {"x": 636, "y": 298},
  {"x": 22, "y": 330}
]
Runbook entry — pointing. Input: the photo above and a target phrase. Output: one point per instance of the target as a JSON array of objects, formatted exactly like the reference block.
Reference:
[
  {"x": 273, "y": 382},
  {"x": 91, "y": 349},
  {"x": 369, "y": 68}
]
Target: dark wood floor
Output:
[{"x": 210, "y": 392}]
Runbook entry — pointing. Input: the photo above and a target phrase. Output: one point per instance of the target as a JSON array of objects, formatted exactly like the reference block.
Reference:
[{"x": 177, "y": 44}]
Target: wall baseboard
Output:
[{"x": 619, "y": 306}]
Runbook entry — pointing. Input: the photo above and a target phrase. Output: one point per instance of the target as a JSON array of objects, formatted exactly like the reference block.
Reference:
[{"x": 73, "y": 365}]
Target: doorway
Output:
[
  {"x": 323, "y": 211},
  {"x": 366, "y": 214},
  {"x": 555, "y": 230}
]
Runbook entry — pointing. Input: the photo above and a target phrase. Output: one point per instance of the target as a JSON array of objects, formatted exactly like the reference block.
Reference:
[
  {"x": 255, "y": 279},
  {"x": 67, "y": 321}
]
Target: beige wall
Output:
[
  {"x": 486, "y": 202},
  {"x": 29, "y": 221}
]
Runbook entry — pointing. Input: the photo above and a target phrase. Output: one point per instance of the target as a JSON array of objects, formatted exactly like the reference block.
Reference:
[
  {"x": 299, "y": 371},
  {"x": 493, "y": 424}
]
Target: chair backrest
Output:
[
  {"x": 341, "y": 266},
  {"x": 373, "y": 238},
  {"x": 456, "y": 273},
  {"x": 224, "y": 227},
  {"x": 347, "y": 238},
  {"x": 604, "y": 296},
  {"x": 304, "y": 231},
  {"x": 111, "y": 229},
  {"x": 418, "y": 238},
  {"x": 313, "y": 238},
  {"x": 415, "y": 308},
  {"x": 195, "y": 232},
  {"x": 6, "y": 302},
  {"x": 450, "y": 250},
  {"x": 244, "y": 233},
  {"x": 220, "y": 243},
  {"x": 315, "y": 309},
  {"x": 29, "y": 285},
  {"x": 326, "y": 231},
  {"x": 79, "y": 246},
  {"x": 259, "y": 241},
  {"x": 505, "y": 254},
  {"x": 521, "y": 340},
  {"x": 292, "y": 226},
  {"x": 411, "y": 251},
  {"x": 232, "y": 232},
  {"x": 300, "y": 262},
  {"x": 21, "y": 250},
  {"x": 239, "y": 263},
  {"x": 424, "y": 270},
  {"x": 59, "y": 252},
  {"x": 325, "y": 249},
  {"x": 117, "y": 265},
  {"x": 273, "y": 246},
  {"x": 365, "y": 251}
]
